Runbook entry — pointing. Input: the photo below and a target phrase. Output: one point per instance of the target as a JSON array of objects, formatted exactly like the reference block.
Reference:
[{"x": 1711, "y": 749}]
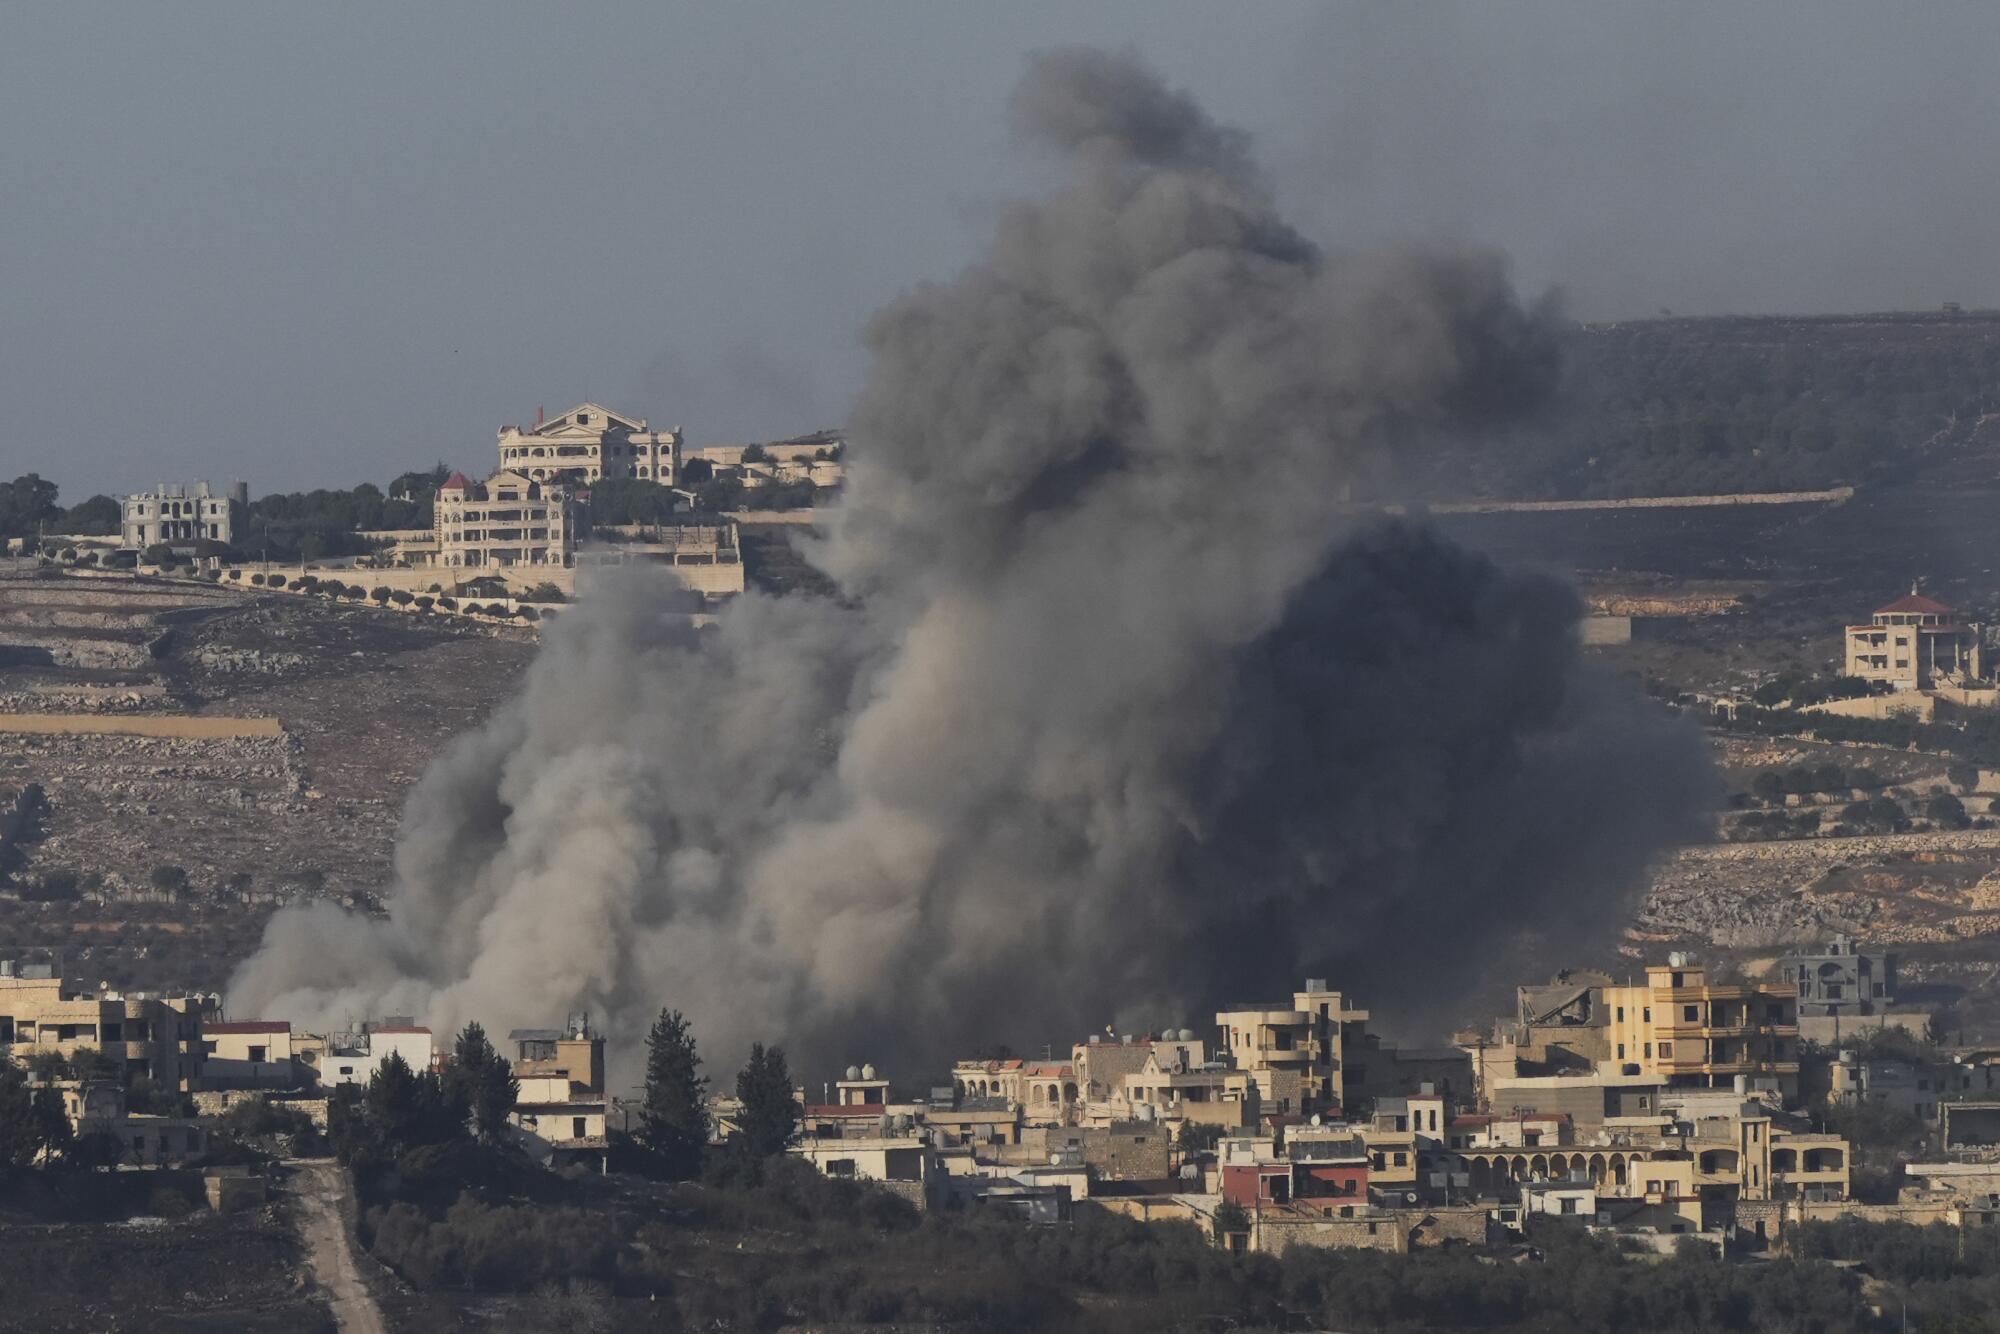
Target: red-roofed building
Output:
[{"x": 1916, "y": 643}]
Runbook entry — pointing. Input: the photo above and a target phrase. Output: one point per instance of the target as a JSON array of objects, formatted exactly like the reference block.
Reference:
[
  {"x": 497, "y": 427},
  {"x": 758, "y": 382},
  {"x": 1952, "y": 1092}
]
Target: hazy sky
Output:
[{"x": 311, "y": 245}]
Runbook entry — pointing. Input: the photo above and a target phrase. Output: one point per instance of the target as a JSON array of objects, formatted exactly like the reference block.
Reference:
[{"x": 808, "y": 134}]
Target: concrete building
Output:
[
  {"x": 1841, "y": 980},
  {"x": 705, "y": 552},
  {"x": 1326, "y": 1165},
  {"x": 158, "y": 1038},
  {"x": 97, "y": 1108},
  {"x": 560, "y": 1117},
  {"x": 509, "y": 521},
  {"x": 1559, "y": 1027},
  {"x": 176, "y": 516},
  {"x": 254, "y": 1053},
  {"x": 1295, "y": 1051},
  {"x": 1206, "y": 1094},
  {"x": 1106, "y": 1062},
  {"x": 1561, "y": 1199},
  {"x": 816, "y": 458},
  {"x": 353, "y": 1058},
  {"x": 1404, "y": 1136},
  {"x": 589, "y": 442},
  {"x": 902, "y": 1161},
  {"x": 1687, "y": 1033},
  {"x": 1970, "y": 1124},
  {"x": 1125, "y": 1151},
  {"x": 1915, "y": 643},
  {"x": 1911, "y": 1087}
]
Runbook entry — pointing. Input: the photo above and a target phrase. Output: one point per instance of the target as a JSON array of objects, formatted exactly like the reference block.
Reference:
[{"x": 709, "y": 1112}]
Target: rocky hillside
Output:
[{"x": 1700, "y": 406}]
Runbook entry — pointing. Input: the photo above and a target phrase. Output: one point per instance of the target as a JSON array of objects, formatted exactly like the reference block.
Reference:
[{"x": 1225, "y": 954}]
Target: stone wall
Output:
[{"x": 1275, "y": 1233}]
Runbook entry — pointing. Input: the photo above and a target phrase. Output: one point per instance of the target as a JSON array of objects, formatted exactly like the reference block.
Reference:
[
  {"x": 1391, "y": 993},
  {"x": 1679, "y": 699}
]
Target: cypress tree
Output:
[
  {"x": 769, "y": 1121},
  {"x": 675, "y": 1122}
]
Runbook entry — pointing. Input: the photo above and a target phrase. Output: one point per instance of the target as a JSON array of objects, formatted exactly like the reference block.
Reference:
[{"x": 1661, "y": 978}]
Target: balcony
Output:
[{"x": 1284, "y": 1055}]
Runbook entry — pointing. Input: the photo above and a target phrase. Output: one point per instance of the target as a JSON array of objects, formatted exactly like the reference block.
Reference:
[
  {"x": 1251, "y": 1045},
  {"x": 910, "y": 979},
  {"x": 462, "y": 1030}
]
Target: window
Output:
[
  {"x": 579, "y": 1127},
  {"x": 258, "y": 1055},
  {"x": 1621, "y": 1051},
  {"x": 1649, "y": 1051},
  {"x": 1690, "y": 1014},
  {"x": 1621, "y": 1014},
  {"x": 1568, "y": 1205},
  {"x": 1646, "y": 1015},
  {"x": 1666, "y": 1053}
]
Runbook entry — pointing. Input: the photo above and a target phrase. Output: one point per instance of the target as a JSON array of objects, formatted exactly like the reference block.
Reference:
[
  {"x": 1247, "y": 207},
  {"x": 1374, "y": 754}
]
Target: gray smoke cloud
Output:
[{"x": 1119, "y": 713}]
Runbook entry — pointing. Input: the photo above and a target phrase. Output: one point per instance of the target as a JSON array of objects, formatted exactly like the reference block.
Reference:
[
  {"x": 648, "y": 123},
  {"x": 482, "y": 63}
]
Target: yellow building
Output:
[
  {"x": 155, "y": 1037},
  {"x": 508, "y": 520},
  {"x": 1915, "y": 643},
  {"x": 1686, "y": 1033},
  {"x": 1403, "y": 1135}
]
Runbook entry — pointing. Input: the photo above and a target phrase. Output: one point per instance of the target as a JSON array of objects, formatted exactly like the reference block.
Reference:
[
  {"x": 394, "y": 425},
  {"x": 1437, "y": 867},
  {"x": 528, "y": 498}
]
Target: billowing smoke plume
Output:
[{"x": 1119, "y": 713}]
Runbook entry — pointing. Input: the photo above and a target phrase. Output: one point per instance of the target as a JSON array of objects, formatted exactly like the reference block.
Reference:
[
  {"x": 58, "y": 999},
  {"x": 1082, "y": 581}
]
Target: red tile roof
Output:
[
  {"x": 418, "y": 1029},
  {"x": 1916, "y": 604},
  {"x": 458, "y": 481},
  {"x": 249, "y": 1026}
]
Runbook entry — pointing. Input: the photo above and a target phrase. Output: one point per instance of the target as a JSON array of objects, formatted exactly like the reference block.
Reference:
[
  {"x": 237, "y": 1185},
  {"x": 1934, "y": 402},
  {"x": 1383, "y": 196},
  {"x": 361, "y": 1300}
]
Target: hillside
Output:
[{"x": 1693, "y": 406}]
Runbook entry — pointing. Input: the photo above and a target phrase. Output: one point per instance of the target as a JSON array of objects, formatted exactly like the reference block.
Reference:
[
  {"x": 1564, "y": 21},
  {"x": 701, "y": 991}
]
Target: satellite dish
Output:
[
  {"x": 868, "y": 1072},
  {"x": 1315, "y": 1118},
  {"x": 854, "y": 1072}
]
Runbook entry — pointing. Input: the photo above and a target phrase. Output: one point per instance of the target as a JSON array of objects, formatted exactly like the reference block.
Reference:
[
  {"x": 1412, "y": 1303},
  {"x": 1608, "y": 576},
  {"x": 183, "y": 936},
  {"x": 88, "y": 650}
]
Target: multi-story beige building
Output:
[
  {"x": 1296, "y": 1052},
  {"x": 588, "y": 442},
  {"x": 560, "y": 1116},
  {"x": 1915, "y": 643},
  {"x": 157, "y": 1037},
  {"x": 1684, "y": 1032},
  {"x": 174, "y": 515},
  {"x": 509, "y": 520},
  {"x": 1177, "y": 1090}
]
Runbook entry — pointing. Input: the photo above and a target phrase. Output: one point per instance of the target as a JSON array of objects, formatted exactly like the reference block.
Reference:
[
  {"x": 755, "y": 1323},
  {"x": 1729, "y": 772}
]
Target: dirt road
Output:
[{"x": 319, "y": 1188}]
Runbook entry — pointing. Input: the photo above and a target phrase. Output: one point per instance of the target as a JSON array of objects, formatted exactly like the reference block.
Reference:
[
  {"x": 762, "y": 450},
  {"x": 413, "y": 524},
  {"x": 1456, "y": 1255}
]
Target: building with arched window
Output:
[{"x": 590, "y": 442}]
